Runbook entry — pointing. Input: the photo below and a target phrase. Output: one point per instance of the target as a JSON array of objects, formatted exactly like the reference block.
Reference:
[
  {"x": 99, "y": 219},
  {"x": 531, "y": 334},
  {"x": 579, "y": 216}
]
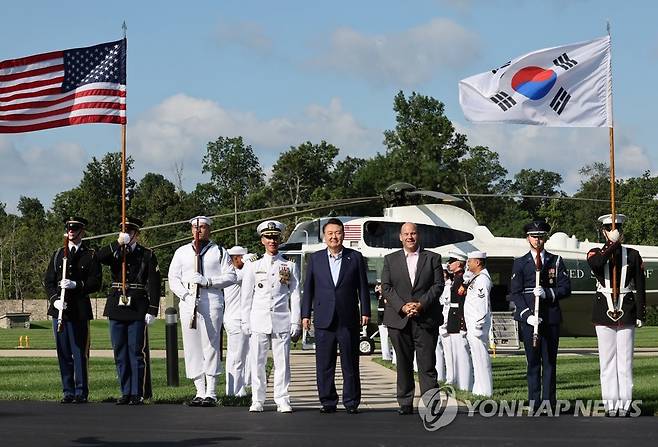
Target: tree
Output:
[
  {"x": 234, "y": 169},
  {"x": 536, "y": 182},
  {"x": 423, "y": 147},
  {"x": 98, "y": 196}
]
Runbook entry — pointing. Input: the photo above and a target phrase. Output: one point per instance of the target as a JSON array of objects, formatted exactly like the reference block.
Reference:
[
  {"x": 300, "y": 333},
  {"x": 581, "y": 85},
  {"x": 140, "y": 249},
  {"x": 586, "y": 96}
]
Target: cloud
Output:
[
  {"x": 562, "y": 150},
  {"x": 179, "y": 128},
  {"x": 406, "y": 58},
  {"x": 249, "y": 35},
  {"x": 39, "y": 171}
]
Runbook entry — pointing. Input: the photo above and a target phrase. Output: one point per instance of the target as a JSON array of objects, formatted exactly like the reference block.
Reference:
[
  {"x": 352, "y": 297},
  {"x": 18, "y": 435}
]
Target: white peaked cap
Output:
[{"x": 606, "y": 219}]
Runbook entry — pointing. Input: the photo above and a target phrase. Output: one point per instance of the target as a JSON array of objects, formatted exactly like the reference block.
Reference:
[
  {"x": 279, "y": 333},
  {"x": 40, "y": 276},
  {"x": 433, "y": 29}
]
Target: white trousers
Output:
[
  {"x": 446, "y": 347},
  {"x": 387, "y": 351},
  {"x": 478, "y": 342},
  {"x": 440, "y": 361},
  {"x": 238, "y": 376},
  {"x": 461, "y": 362},
  {"x": 201, "y": 345},
  {"x": 258, "y": 347},
  {"x": 616, "y": 365}
]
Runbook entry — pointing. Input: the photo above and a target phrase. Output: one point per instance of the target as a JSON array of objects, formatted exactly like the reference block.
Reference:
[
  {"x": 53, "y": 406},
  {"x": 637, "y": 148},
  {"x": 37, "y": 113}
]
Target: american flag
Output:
[
  {"x": 352, "y": 232},
  {"x": 63, "y": 88}
]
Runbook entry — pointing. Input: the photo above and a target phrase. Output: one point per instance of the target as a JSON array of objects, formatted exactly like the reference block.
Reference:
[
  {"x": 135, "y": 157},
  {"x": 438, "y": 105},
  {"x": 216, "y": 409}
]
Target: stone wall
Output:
[{"x": 39, "y": 308}]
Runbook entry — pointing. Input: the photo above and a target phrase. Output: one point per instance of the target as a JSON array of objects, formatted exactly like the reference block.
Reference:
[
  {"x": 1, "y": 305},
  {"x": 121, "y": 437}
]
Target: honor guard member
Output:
[
  {"x": 271, "y": 313},
  {"x": 456, "y": 326},
  {"x": 616, "y": 313},
  {"x": 477, "y": 317},
  {"x": 238, "y": 376},
  {"x": 443, "y": 347},
  {"x": 130, "y": 314},
  {"x": 554, "y": 284},
  {"x": 69, "y": 293},
  {"x": 206, "y": 305},
  {"x": 387, "y": 353}
]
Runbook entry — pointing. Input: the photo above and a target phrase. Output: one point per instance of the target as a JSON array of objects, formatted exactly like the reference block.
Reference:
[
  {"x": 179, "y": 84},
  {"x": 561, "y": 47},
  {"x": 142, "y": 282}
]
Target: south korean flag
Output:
[{"x": 566, "y": 86}]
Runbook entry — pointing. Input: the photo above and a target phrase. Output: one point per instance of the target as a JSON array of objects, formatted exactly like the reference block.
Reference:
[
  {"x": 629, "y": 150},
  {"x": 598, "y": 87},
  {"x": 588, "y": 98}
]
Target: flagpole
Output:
[
  {"x": 613, "y": 181},
  {"x": 123, "y": 199}
]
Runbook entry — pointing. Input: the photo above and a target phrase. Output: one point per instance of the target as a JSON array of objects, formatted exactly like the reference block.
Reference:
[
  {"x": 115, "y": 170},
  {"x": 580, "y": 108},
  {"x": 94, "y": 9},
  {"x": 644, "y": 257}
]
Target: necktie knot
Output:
[{"x": 72, "y": 250}]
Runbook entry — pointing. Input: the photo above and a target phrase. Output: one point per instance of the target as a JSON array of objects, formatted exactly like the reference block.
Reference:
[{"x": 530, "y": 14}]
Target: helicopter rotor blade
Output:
[
  {"x": 358, "y": 201},
  {"x": 532, "y": 196},
  {"x": 328, "y": 203},
  {"x": 437, "y": 195}
]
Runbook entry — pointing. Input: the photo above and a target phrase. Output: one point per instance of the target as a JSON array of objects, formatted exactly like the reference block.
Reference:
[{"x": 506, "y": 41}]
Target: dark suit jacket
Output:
[
  {"x": 341, "y": 300},
  {"x": 554, "y": 278},
  {"x": 427, "y": 289}
]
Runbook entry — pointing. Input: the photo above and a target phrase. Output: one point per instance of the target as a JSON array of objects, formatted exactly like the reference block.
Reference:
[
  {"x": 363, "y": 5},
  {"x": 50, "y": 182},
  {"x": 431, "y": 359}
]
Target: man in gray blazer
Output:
[{"x": 412, "y": 283}]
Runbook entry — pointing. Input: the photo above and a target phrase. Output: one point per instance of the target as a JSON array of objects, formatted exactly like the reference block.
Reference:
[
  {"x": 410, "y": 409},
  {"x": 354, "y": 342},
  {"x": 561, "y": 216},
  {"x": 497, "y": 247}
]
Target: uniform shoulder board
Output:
[
  {"x": 254, "y": 257},
  {"x": 288, "y": 258}
]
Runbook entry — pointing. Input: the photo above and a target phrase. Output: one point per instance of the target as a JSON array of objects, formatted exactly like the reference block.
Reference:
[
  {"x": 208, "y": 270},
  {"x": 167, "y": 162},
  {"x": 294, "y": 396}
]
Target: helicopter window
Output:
[
  {"x": 306, "y": 232},
  {"x": 387, "y": 235}
]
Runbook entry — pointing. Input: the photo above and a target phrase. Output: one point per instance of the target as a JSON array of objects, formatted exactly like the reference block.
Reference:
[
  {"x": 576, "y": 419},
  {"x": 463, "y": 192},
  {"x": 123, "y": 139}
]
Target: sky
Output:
[{"x": 282, "y": 73}]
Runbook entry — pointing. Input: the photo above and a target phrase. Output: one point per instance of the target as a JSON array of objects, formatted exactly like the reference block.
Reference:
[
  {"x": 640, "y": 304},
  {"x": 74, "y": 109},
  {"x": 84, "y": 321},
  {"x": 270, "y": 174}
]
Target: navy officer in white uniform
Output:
[{"x": 271, "y": 313}]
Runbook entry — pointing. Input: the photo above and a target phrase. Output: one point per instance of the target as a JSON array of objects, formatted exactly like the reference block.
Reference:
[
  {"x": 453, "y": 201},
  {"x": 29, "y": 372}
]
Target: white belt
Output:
[{"x": 454, "y": 304}]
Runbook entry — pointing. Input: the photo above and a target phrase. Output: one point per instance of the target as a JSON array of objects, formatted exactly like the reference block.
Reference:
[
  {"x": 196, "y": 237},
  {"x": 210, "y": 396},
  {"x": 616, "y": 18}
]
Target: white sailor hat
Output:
[
  {"x": 270, "y": 227},
  {"x": 476, "y": 254},
  {"x": 201, "y": 220},
  {"x": 456, "y": 256},
  {"x": 606, "y": 219},
  {"x": 236, "y": 250}
]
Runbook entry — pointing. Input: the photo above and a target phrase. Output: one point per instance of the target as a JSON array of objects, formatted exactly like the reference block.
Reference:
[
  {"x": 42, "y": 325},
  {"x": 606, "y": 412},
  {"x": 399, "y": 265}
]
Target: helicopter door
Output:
[{"x": 500, "y": 269}]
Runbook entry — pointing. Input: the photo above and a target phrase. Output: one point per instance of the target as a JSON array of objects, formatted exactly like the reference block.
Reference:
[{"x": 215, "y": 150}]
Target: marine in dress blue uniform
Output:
[
  {"x": 83, "y": 276},
  {"x": 554, "y": 285},
  {"x": 616, "y": 313},
  {"x": 131, "y": 313}
]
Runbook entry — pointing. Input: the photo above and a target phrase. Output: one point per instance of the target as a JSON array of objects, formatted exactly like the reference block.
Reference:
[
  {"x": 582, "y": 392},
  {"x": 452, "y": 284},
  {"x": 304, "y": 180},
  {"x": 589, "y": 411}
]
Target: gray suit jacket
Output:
[{"x": 427, "y": 289}]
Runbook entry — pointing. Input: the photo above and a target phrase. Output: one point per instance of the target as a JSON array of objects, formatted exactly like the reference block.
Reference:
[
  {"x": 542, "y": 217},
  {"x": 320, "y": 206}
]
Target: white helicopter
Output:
[{"x": 443, "y": 227}]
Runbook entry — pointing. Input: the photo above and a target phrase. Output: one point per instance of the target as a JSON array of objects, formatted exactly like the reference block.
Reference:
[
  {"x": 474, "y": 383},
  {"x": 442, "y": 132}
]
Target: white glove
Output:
[
  {"x": 479, "y": 326},
  {"x": 532, "y": 319},
  {"x": 613, "y": 236},
  {"x": 149, "y": 319},
  {"x": 123, "y": 239},
  {"x": 246, "y": 330},
  {"x": 468, "y": 276},
  {"x": 540, "y": 292},
  {"x": 198, "y": 278},
  {"x": 61, "y": 304},
  {"x": 295, "y": 331},
  {"x": 638, "y": 323},
  {"x": 443, "y": 330},
  {"x": 67, "y": 284}
]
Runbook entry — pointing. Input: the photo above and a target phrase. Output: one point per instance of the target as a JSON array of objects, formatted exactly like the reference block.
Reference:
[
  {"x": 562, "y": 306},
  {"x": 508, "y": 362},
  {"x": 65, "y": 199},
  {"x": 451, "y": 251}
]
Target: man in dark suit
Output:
[
  {"x": 554, "y": 284},
  {"x": 412, "y": 283},
  {"x": 336, "y": 283}
]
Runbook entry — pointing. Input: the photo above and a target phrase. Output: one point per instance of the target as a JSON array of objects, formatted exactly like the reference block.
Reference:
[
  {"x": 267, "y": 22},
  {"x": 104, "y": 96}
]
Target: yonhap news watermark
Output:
[{"x": 439, "y": 407}]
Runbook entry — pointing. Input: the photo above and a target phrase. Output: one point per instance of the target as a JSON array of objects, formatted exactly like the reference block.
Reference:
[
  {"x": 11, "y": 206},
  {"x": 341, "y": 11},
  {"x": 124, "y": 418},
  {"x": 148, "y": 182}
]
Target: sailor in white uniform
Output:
[
  {"x": 238, "y": 375},
  {"x": 201, "y": 345},
  {"x": 271, "y": 313},
  {"x": 443, "y": 347},
  {"x": 477, "y": 316}
]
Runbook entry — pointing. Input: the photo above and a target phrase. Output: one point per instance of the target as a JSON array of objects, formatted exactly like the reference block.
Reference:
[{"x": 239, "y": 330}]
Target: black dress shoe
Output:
[
  {"x": 136, "y": 400},
  {"x": 327, "y": 409},
  {"x": 209, "y": 402},
  {"x": 352, "y": 410},
  {"x": 405, "y": 410},
  {"x": 80, "y": 400},
  {"x": 196, "y": 402},
  {"x": 67, "y": 400},
  {"x": 123, "y": 400}
]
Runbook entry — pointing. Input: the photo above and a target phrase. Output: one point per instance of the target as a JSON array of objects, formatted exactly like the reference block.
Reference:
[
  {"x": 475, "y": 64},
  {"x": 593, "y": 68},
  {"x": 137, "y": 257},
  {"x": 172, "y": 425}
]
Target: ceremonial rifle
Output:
[
  {"x": 197, "y": 267},
  {"x": 62, "y": 291},
  {"x": 535, "y": 328}
]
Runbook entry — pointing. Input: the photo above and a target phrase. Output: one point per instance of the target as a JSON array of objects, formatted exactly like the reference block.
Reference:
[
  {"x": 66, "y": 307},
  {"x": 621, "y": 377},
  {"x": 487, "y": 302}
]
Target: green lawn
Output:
[
  {"x": 577, "y": 378},
  {"x": 38, "y": 379}
]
